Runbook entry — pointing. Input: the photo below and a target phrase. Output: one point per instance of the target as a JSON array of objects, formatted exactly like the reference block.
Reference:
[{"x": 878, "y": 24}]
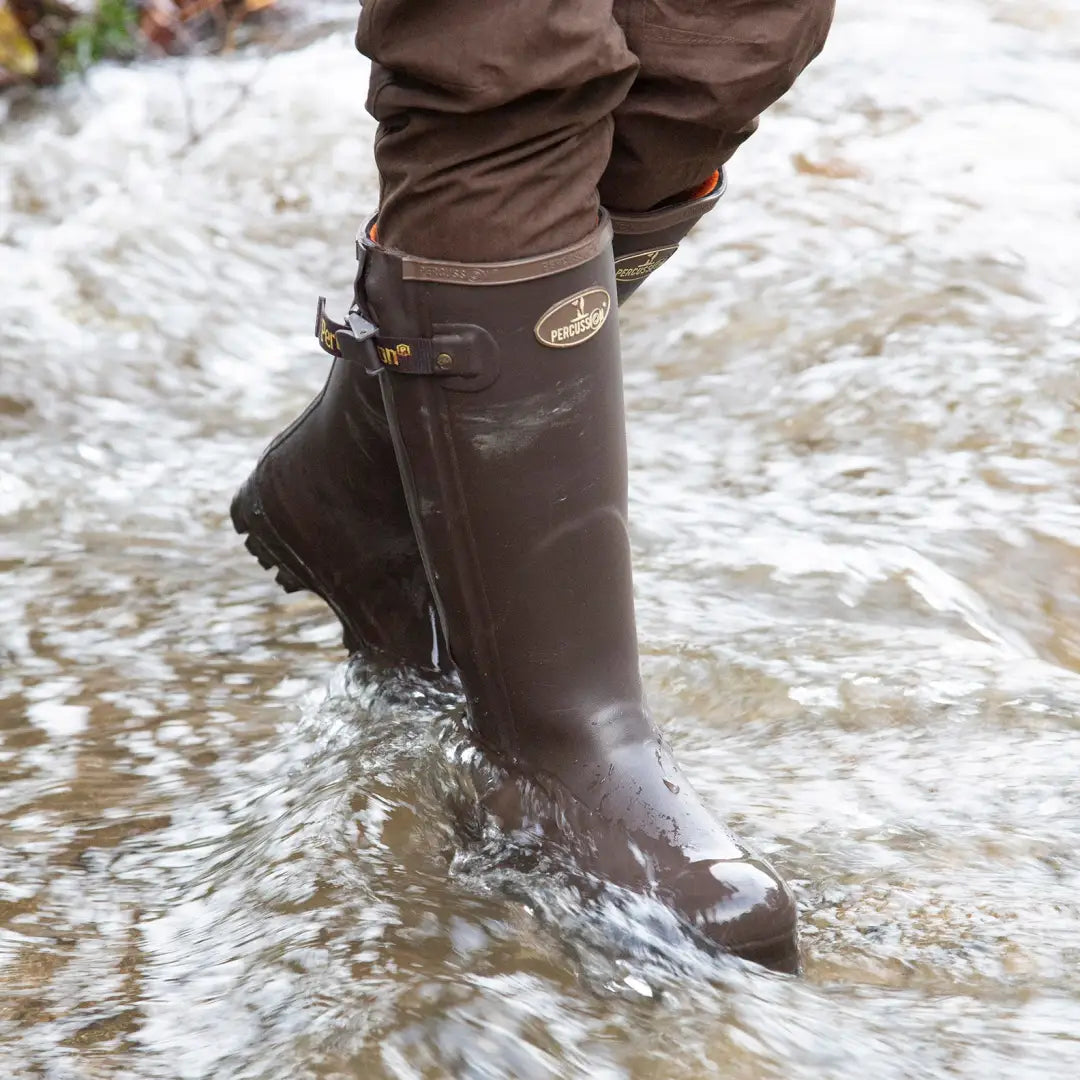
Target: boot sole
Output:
[
  {"x": 250, "y": 521},
  {"x": 780, "y": 953}
]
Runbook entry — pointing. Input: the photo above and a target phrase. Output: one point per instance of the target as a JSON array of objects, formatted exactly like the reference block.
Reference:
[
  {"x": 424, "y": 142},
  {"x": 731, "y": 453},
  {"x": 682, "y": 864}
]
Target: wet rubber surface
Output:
[{"x": 855, "y": 439}]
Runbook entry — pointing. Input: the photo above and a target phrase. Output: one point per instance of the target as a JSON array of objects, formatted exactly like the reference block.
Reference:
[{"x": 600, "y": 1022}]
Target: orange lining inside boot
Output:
[{"x": 707, "y": 188}]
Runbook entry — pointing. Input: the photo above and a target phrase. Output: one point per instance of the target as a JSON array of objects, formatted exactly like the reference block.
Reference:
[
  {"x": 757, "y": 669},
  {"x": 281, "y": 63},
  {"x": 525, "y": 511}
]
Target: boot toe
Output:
[
  {"x": 744, "y": 907},
  {"x": 731, "y": 897}
]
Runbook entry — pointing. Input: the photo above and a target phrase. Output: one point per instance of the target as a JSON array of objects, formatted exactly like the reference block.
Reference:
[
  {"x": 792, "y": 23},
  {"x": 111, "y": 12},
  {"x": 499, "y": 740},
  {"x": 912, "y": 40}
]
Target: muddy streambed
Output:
[{"x": 856, "y": 457}]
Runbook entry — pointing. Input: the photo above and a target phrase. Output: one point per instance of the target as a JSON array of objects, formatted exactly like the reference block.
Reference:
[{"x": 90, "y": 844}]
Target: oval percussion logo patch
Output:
[
  {"x": 642, "y": 263},
  {"x": 575, "y": 319}
]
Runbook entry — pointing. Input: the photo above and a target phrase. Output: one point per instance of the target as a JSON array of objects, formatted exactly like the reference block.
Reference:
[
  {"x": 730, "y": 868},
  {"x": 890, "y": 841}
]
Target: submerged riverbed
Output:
[{"x": 855, "y": 437}]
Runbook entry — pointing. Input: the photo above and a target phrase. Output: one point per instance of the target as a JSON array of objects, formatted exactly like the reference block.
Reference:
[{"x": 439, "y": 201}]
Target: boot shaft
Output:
[{"x": 514, "y": 460}]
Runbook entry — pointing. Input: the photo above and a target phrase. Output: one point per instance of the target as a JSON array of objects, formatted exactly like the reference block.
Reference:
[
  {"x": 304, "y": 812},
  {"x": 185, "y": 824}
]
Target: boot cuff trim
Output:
[
  {"x": 502, "y": 273},
  {"x": 649, "y": 221}
]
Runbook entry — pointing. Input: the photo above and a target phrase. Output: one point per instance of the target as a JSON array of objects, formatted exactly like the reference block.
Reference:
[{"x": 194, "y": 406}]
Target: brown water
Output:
[{"x": 855, "y": 424}]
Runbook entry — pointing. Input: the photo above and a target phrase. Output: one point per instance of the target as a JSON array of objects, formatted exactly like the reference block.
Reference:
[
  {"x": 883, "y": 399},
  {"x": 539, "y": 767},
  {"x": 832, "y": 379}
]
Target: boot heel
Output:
[{"x": 261, "y": 540}]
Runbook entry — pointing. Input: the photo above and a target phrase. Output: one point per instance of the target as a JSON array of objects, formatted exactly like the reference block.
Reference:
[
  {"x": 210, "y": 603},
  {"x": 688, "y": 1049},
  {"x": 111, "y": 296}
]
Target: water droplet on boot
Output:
[{"x": 673, "y": 788}]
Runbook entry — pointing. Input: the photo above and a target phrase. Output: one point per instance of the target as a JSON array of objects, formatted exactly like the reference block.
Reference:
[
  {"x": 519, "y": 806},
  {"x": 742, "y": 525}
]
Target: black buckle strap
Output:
[{"x": 359, "y": 339}]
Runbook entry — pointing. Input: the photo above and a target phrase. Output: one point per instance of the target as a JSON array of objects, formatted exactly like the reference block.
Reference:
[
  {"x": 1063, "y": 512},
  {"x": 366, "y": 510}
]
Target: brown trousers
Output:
[{"x": 503, "y": 123}]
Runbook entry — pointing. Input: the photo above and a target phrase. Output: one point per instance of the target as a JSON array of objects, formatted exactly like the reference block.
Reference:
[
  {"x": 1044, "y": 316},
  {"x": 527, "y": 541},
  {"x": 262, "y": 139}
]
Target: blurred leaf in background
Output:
[
  {"x": 17, "y": 53},
  {"x": 170, "y": 24},
  {"x": 107, "y": 32}
]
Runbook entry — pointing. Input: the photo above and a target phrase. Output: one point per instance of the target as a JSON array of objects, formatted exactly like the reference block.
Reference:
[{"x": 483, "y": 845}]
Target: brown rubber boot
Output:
[
  {"x": 503, "y": 386},
  {"x": 645, "y": 241},
  {"x": 325, "y": 506}
]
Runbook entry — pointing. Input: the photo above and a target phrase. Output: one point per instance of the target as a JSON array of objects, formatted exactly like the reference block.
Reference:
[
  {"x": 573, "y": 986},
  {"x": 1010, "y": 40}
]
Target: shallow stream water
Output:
[{"x": 855, "y": 437}]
